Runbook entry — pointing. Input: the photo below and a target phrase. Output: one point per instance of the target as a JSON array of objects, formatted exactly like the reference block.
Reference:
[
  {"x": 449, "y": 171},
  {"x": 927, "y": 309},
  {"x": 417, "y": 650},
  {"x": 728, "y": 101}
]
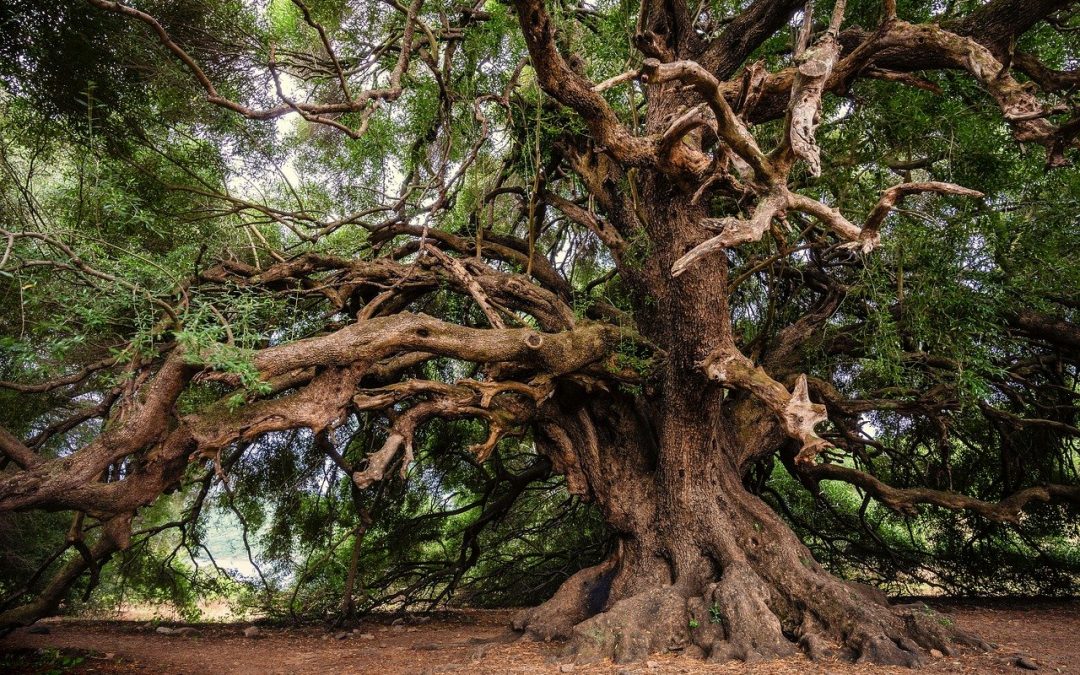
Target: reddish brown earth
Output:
[{"x": 1046, "y": 633}]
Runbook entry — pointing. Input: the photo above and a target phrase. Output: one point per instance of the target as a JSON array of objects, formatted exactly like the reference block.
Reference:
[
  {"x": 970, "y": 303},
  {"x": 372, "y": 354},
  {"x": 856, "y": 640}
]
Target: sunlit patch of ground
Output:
[{"x": 216, "y": 611}]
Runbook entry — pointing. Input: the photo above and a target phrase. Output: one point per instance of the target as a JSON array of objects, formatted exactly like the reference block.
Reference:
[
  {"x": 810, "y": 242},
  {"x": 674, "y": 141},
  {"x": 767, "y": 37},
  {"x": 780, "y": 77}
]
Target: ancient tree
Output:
[{"x": 615, "y": 230}]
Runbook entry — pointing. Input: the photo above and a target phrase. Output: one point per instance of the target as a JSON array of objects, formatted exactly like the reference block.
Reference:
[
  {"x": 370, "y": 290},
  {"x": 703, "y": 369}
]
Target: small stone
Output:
[
  {"x": 411, "y": 629},
  {"x": 252, "y": 632},
  {"x": 148, "y": 627},
  {"x": 367, "y": 636},
  {"x": 38, "y": 630},
  {"x": 341, "y": 636},
  {"x": 936, "y": 653},
  {"x": 1025, "y": 663},
  {"x": 187, "y": 631},
  {"x": 164, "y": 630},
  {"x": 566, "y": 668},
  {"x": 652, "y": 665},
  {"x": 397, "y": 622}
]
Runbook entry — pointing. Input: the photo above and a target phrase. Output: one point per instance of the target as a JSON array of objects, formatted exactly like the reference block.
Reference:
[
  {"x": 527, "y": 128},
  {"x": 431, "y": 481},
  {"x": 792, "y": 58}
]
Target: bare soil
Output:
[{"x": 1046, "y": 633}]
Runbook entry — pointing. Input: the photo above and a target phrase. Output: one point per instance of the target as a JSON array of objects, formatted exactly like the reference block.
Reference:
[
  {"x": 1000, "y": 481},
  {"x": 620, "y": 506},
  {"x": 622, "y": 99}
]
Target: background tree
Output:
[{"x": 268, "y": 242}]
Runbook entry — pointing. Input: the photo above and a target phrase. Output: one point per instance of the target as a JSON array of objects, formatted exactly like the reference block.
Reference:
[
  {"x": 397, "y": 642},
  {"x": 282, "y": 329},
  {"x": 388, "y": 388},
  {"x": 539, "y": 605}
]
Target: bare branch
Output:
[
  {"x": 734, "y": 232},
  {"x": 892, "y": 196}
]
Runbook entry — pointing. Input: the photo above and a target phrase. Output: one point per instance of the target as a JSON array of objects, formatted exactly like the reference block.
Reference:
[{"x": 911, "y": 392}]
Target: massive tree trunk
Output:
[
  {"x": 707, "y": 568},
  {"x": 702, "y": 566}
]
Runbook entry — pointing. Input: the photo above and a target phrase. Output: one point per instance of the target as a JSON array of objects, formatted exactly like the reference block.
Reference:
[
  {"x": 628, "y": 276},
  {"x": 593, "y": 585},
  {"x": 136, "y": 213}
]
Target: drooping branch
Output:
[
  {"x": 330, "y": 368},
  {"x": 465, "y": 399},
  {"x": 115, "y": 536},
  {"x": 904, "y": 500}
]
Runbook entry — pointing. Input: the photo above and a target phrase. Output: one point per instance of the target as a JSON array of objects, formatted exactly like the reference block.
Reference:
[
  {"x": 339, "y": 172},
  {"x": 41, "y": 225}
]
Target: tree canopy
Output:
[{"x": 445, "y": 302}]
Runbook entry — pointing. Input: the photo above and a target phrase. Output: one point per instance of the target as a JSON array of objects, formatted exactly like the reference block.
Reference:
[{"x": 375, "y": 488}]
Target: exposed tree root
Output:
[
  {"x": 650, "y": 622},
  {"x": 580, "y": 597},
  {"x": 740, "y": 604},
  {"x": 741, "y": 617}
]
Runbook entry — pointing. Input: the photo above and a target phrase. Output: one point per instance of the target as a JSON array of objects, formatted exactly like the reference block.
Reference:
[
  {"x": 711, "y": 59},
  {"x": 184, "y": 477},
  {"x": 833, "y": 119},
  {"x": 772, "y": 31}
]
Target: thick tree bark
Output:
[
  {"x": 706, "y": 568},
  {"x": 703, "y": 566}
]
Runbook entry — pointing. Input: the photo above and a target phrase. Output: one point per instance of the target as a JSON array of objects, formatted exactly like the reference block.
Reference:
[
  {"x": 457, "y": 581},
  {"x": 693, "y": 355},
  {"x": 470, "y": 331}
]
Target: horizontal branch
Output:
[
  {"x": 903, "y": 500},
  {"x": 325, "y": 372}
]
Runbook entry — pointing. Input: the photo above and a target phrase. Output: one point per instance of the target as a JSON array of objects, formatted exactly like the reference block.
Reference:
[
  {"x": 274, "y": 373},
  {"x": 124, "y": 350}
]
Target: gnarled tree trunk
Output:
[
  {"x": 706, "y": 567},
  {"x": 703, "y": 566}
]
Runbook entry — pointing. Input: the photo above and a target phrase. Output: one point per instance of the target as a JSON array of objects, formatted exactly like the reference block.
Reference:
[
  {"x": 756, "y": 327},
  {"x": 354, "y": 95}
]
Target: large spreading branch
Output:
[
  {"x": 323, "y": 371},
  {"x": 904, "y": 500}
]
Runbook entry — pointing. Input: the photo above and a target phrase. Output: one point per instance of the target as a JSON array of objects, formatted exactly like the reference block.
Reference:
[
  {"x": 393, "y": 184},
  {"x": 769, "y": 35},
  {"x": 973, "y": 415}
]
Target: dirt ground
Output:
[{"x": 1046, "y": 633}]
